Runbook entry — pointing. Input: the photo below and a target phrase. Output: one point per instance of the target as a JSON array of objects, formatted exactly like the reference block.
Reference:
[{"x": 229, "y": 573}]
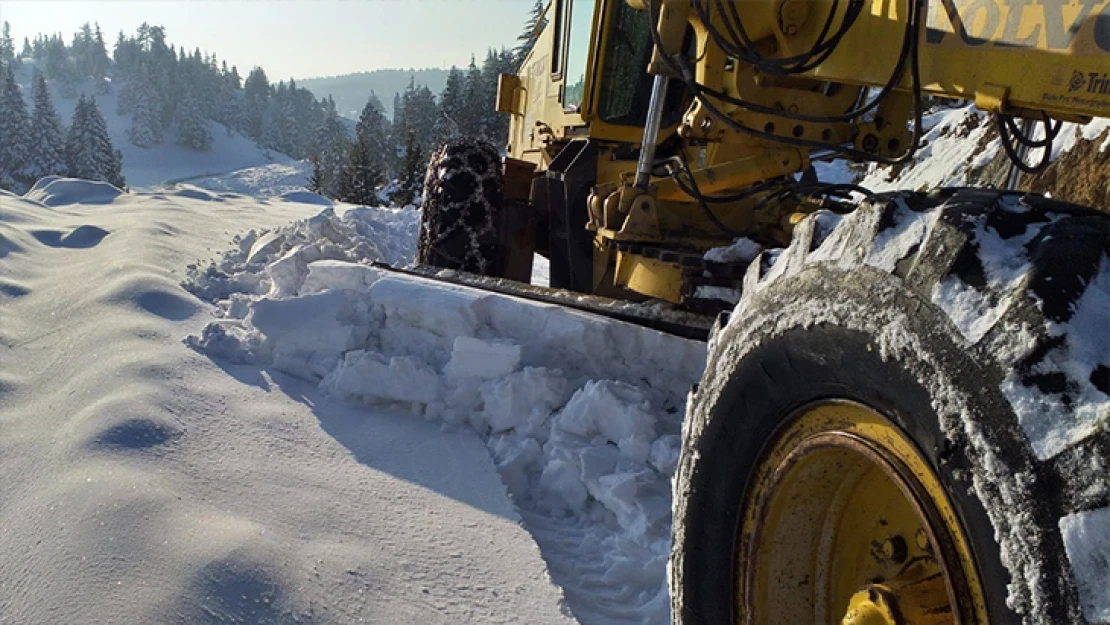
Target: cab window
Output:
[
  {"x": 625, "y": 85},
  {"x": 579, "y": 31}
]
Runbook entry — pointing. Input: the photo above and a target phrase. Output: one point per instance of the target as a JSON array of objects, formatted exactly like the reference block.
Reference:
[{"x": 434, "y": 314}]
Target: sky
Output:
[{"x": 295, "y": 38}]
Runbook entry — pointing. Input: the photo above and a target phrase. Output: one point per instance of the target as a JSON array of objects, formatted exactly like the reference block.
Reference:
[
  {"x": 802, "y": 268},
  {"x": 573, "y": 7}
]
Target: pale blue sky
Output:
[{"x": 298, "y": 38}]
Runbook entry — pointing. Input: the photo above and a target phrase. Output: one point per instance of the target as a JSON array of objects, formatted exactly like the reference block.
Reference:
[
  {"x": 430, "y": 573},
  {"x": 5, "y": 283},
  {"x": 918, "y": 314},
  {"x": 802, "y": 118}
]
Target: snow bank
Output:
[
  {"x": 277, "y": 260},
  {"x": 565, "y": 400},
  {"x": 56, "y": 191}
]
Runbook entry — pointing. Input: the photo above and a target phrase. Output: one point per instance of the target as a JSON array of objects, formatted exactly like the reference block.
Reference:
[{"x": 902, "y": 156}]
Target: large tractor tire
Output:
[
  {"x": 462, "y": 203},
  {"x": 905, "y": 421}
]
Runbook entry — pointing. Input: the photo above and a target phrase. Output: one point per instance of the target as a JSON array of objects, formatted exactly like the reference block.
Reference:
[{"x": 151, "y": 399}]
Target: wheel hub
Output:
[{"x": 845, "y": 521}]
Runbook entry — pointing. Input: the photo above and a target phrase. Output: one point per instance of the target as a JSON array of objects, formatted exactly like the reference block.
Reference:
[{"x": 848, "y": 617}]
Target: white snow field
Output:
[{"x": 146, "y": 483}]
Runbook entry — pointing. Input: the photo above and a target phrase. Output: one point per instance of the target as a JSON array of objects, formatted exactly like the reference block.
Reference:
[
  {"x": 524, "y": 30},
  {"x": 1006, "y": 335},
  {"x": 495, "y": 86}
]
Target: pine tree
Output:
[
  {"x": 146, "y": 124},
  {"x": 331, "y": 148},
  {"x": 361, "y": 177},
  {"x": 474, "y": 101},
  {"x": 15, "y": 128},
  {"x": 109, "y": 160},
  {"x": 89, "y": 151},
  {"x": 99, "y": 61},
  {"x": 528, "y": 36},
  {"x": 7, "y": 46},
  {"x": 27, "y": 50},
  {"x": 411, "y": 178},
  {"x": 494, "y": 125},
  {"x": 372, "y": 131},
  {"x": 47, "y": 145},
  {"x": 316, "y": 181},
  {"x": 450, "y": 106},
  {"x": 192, "y": 127},
  {"x": 256, "y": 93},
  {"x": 80, "y": 162}
]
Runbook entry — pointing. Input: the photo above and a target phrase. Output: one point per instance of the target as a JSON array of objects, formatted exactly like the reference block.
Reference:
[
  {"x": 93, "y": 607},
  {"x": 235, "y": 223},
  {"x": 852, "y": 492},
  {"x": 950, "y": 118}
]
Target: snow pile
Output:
[
  {"x": 1087, "y": 541},
  {"x": 565, "y": 400},
  {"x": 57, "y": 191},
  {"x": 275, "y": 260}
]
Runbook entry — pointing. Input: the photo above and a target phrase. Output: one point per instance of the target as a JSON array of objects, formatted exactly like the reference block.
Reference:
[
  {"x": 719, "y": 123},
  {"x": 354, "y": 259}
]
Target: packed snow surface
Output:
[
  {"x": 581, "y": 414},
  {"x": 146, "y": 483}
]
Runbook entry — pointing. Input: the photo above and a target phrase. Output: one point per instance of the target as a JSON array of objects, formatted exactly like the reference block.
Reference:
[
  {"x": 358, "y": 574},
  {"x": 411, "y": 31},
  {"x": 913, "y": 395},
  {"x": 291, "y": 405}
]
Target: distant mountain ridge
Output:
[{"x": 350, "y": 91}]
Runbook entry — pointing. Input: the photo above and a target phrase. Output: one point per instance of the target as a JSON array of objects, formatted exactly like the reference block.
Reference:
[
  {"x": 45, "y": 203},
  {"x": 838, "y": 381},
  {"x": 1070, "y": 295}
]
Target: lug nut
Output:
[
  {"x": 895, "y": 549},
  {"x": 923, "y": 541}
]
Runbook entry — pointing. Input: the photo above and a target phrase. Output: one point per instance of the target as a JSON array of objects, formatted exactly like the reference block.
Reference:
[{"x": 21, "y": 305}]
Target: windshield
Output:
[{"x": 625, "y": 89}]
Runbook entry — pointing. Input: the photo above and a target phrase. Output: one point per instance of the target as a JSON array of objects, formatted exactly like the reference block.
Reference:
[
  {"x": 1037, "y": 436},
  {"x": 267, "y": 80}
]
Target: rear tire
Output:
[
  {"x": 461, "y": 208},
  {"x": 849, "y": 311}
]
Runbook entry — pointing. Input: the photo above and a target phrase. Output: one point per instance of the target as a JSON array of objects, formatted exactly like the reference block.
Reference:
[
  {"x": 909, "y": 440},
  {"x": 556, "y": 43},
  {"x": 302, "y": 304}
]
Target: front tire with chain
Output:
[
  {"x": 461, "y": 208},
  {"x": 948, "y": 315}
]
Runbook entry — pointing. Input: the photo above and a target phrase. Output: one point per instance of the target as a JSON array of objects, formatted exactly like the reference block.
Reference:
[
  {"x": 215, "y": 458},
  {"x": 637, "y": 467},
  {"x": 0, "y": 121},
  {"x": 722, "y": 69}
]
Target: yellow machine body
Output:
[{"x": 594, "y": 60}]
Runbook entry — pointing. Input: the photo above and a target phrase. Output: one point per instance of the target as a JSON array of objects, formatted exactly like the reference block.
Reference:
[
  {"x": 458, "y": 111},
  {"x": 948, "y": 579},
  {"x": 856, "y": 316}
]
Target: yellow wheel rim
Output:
[{"x": 844, "y": 521}]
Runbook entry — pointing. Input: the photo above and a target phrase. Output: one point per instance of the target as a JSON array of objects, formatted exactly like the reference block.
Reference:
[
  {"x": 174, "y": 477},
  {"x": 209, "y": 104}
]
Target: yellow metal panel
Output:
[{"x": 649, "y": 276}]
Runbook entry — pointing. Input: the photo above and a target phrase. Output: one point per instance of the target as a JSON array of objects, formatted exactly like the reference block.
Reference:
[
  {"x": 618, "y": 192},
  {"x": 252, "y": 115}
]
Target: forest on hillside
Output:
[{"x": 161, "y": 87}]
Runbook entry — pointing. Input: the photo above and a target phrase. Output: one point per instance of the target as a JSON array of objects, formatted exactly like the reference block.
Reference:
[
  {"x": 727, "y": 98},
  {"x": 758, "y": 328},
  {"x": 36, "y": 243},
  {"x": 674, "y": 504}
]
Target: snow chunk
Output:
[
  {"x": 722, "y": 293},
  {"x": 523, "y": 400},
  {"x": 664, "y": 453},
  {"x": 287, "y": 274},
  {"x": 482, "y": 359},
  {"x": 54, "y": 191},
  {"x": 742, "y": 250},
  {"x": 447, "y": 311},
  {"x": 338, "y": 275},
  {"x": 264, "y": 246},
  {"x": 1087, "y": 542},
  {"x": 370, "y": 377},
  {"x": 308, "y": 335},
  {"x": 615, "y": 410}
]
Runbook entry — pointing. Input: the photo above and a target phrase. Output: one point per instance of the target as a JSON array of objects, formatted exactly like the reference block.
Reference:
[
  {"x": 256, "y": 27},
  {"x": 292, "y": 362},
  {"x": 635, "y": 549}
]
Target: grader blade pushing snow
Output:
[{"x": 904, "y": 415}]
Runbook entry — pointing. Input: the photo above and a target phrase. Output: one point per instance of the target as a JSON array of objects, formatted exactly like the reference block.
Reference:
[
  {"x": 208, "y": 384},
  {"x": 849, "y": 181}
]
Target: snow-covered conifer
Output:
[
  {"x": 15, "y": 130},
  {"x": 192, "y": 128},
  {"x": 47, "y": 142}
]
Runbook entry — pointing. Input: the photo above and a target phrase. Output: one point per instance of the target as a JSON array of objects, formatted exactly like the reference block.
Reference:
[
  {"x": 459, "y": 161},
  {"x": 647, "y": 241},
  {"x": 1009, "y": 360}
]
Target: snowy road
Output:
[{"x": 145, "y": 483}]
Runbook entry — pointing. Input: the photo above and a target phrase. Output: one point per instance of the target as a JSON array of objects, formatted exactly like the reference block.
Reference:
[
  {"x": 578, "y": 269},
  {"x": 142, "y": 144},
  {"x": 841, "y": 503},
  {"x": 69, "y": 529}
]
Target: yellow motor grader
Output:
[{"x": 904, "y": 415}]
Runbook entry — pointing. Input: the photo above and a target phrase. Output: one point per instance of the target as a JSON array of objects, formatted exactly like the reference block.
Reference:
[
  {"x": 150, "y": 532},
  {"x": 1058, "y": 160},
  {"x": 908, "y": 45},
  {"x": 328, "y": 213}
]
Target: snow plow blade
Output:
[{"x": 656, "y": 316}]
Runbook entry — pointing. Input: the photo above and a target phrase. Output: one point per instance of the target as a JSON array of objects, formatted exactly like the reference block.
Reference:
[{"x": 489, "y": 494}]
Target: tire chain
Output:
[{"x": 445, "y": 217}]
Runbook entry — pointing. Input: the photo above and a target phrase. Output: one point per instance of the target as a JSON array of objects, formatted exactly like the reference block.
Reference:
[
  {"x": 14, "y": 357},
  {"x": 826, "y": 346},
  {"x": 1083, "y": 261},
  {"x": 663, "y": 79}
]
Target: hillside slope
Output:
[{"x": 168, "y": 162}]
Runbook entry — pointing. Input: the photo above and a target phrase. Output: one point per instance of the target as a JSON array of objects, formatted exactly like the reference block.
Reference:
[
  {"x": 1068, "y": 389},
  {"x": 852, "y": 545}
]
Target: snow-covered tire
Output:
[
  {"x": 462, "y": 204},
  {"x": 970, "y": 318}
]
